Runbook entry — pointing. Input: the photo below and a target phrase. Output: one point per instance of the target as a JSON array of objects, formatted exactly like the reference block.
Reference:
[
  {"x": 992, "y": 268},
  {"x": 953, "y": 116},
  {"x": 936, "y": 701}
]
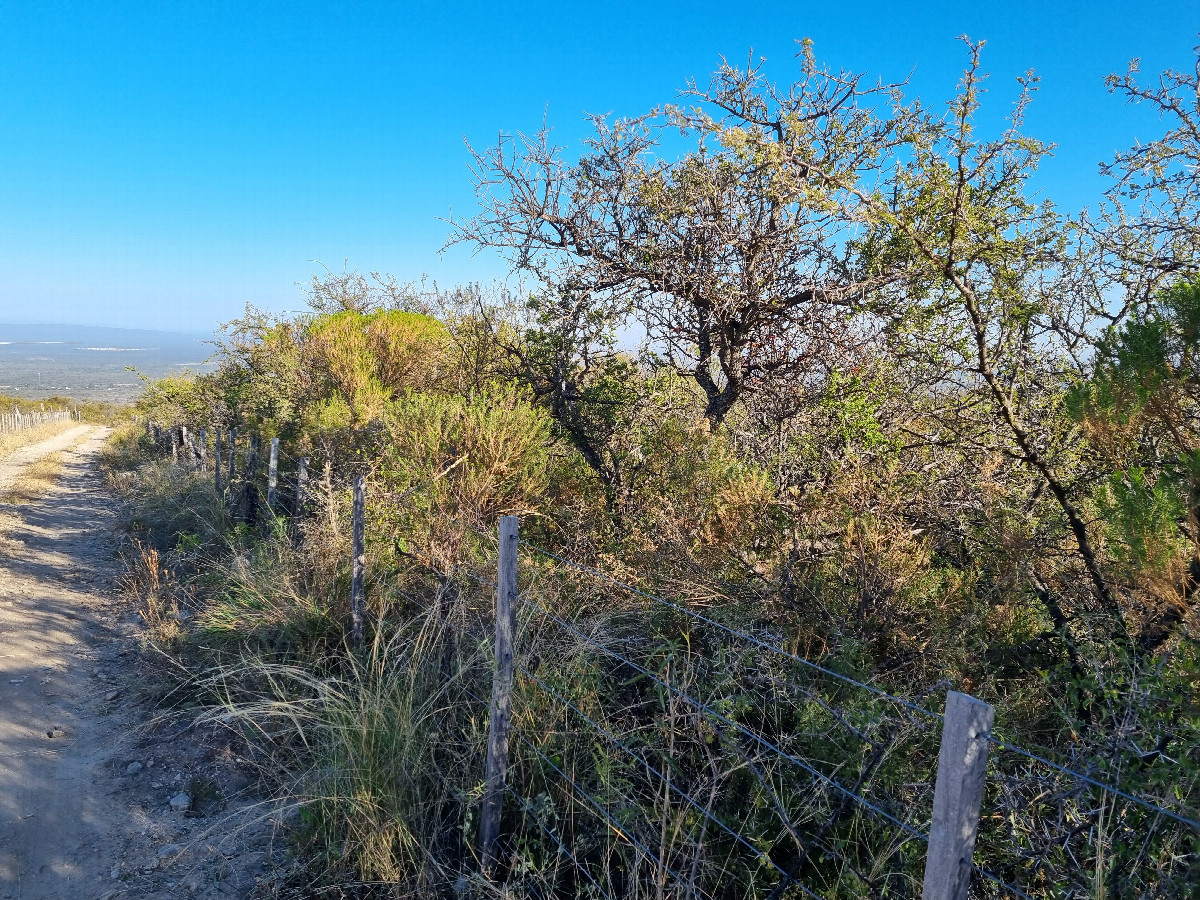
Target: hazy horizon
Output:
[
  {"x": 105, "y": 362},
  {"x": 197, "y": 333}
]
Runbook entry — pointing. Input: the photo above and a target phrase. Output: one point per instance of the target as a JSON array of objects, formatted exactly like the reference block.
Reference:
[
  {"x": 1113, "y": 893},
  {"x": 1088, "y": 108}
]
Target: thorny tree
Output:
[
  {"x": 985, "y": 268},
  {"x": 734, "y": 257}
]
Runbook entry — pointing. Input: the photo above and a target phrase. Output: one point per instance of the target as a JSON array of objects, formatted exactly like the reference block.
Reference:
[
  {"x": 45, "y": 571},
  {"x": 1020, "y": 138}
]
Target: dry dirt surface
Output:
[{"x": 105, "y": 792}]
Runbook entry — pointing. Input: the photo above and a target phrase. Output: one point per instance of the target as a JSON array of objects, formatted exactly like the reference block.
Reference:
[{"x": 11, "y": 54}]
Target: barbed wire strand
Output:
[
  {"x": 1153, "y": 807},
  {"x": 526, "y": 806},
  {"x": 1016, "y": 891},
  {"x": 613, "y": 823},
  {"x": 616, "y": 826},
  {"x": 671, "y": 784},
  {"x": 736, "y": 633},
  {"x": 1145, "y": 804},
  {"x": 820, "y": 776}
]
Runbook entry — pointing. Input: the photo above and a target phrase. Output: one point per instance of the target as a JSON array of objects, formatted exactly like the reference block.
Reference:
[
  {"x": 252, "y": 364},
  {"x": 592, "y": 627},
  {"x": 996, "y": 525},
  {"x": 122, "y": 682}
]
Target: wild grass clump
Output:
[
  {"x": 253, "y": 600},
  {"x": 380, "y": 754}
]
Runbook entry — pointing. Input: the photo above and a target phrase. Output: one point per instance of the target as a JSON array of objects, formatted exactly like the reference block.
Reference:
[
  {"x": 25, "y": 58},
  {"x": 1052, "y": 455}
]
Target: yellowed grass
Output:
[
  {"x": 11, "y": 441},
  {"x": 36, "y": 478},
  {"x": 39, "y": 476}
]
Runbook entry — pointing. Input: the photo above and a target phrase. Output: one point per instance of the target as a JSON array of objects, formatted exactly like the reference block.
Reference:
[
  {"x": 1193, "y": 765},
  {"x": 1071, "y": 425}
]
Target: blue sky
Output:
[{"x": 161, "y": 165}]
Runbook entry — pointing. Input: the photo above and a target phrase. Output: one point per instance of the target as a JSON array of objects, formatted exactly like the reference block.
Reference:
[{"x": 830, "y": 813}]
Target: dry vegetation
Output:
[
  {"x": 39, "y": 476},
  {"x": 918, "y": 443},
  {"x": 11, "y": 441}
]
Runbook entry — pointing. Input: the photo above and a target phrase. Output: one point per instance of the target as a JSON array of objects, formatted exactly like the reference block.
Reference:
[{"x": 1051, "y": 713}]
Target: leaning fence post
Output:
[
  {"x": 273, "y": 474},
  {"x": 957, "y": 795},
  {"x": 497, "y": 752},
  {"x": 358, "y": 537}
]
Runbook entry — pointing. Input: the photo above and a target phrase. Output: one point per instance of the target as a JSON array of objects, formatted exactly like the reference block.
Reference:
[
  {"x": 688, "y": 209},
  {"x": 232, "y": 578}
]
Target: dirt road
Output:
[{"x": 88, "y": 768}]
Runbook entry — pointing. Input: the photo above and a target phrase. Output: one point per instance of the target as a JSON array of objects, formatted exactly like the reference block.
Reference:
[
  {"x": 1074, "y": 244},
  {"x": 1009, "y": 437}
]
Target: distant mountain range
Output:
[{"x": 91, "y": 362}]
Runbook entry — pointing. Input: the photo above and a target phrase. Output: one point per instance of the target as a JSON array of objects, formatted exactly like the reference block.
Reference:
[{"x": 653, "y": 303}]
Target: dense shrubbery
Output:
[{"x": 968, "y": 456}]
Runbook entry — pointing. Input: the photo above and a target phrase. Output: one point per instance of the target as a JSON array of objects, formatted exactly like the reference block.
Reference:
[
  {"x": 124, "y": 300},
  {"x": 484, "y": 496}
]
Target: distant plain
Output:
[{"x": 93, "y": 363}]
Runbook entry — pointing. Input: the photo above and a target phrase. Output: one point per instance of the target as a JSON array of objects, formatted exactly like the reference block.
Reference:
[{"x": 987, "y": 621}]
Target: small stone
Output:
[
  {"x": 112, "y": 695},
  {"x": 133, "y": 768},
  {"x": 181, "y": 802},
  {"x": 166, "y": 851}
]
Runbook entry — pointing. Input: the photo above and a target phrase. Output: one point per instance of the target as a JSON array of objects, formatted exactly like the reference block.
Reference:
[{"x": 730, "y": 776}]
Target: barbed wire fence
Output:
[{"x": 727, "y": 756}]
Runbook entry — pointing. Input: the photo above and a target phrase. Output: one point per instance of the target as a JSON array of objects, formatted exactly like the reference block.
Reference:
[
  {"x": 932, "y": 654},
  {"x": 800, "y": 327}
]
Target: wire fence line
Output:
[
  {"x": 661, "y": 772},
  {"x": 24, "y": 421},
  {"x": 992, "y": 737},
  {"x": 740, "y": 635},
  {"x": 741, "y": 729}
]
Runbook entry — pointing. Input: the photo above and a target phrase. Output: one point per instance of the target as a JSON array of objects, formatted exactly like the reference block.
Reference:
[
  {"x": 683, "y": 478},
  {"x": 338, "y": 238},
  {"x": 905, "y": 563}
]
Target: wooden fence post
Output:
[
  {"x": 358, "y": 537},
  {"x": 203, "y": 448},
  {"x": 229, "y": 471},
  {"x": 273, "y": 474},
  {"x": 249, "y": 488},
  {"x": 175, "y": 445},
  {"x": 957, "y": 795},
  {"x": 252, "y": 456},
  {"x": 217, "y": 457},
  {"x": 301, "y": 487},
  {"x": 498, "y": 727}
]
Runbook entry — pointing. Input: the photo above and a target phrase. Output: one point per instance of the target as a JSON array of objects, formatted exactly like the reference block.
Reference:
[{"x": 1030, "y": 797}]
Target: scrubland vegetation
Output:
[{"x": 888, "y": 412}]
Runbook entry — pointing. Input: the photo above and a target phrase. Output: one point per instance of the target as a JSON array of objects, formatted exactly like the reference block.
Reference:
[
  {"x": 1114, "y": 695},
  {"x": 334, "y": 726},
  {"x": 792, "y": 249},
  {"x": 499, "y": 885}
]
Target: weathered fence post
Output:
[
  {"x": 961, "y": 772},
  {"x": 301, "y": 487},
  {"x": 217, "y": 458},
  {"x": 203, "y": 448},
  {"x": 249, "y": 488},
  {"x": 300, "y": 498},
  {"x": 229, "y": 471},
  {"x": 273, "y": 474},
  {"x": 358, "y": 537},
  {"x": 252, "y": 456},
  {"x": 502, "y": 678},
  {"x": 175, "y": 445}
]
